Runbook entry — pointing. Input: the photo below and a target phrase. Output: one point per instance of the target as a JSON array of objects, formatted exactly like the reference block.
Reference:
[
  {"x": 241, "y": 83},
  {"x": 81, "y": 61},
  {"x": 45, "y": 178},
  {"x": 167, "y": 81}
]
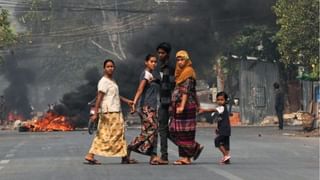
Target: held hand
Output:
[
  {"x": 133, "y": 109},
  {"x": 130, "y": 102},
  {"x": 179, "y": 110}
]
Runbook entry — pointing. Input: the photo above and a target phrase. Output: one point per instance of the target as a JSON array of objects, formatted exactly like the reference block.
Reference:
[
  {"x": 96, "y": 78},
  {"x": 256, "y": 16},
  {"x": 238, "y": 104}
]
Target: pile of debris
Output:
[
  {"x": 50, "y": 122},
  {"x": 304, "y": 119}
]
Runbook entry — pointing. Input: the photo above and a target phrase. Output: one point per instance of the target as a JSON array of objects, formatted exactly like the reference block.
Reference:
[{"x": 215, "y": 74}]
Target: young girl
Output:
[
  {"x": 223, "y": 131},
  {"x": 146, "y": 95}
]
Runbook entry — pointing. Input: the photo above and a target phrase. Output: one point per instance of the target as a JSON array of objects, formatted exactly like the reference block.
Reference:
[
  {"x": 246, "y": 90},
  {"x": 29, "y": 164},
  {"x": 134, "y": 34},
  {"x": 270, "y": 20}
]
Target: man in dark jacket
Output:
[
  {"x": 279, "y": 104},
  {"x": 167, "y": 83}
]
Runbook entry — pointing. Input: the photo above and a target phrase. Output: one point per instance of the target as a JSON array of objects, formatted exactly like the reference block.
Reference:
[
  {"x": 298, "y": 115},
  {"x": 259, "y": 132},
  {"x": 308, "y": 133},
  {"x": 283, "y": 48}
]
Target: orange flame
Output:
[{"x": 51, "y": 122}]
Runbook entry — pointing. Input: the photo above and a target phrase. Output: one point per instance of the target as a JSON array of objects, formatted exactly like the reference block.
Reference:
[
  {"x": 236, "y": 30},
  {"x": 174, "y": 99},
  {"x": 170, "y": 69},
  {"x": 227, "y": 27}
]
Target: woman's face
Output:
[
  {"x": 181, "y": 62},
  {"x": 221, "y": 100},
  {"x": 151, "y": 63},
  {"x": 109, "y": 68}
]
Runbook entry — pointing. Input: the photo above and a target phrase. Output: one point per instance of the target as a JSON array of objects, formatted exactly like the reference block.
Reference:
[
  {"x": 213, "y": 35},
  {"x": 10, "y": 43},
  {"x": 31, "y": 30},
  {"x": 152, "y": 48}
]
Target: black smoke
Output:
[
  {"x": 75, "y": 103},
  {"x": 16, "y": 94},
  {"x": 204, "y": 28}
]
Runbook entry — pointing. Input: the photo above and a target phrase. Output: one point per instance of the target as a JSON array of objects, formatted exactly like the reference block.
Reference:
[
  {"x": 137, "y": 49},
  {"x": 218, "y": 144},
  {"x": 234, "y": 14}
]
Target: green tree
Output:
[
  {"x": 257, "y": 41},
  {"x": 298, "y": 36},
  {"x": 7, "y": 36}
]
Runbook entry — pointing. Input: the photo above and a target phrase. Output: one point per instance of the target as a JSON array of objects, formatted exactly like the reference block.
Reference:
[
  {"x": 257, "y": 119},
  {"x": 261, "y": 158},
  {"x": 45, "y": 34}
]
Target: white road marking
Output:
[
  {"x": 19, "y": 144},
  {"x": 45, "y": 147},
  {"x": 9, "y": 155},
  {"x": 4, "y": 161}
]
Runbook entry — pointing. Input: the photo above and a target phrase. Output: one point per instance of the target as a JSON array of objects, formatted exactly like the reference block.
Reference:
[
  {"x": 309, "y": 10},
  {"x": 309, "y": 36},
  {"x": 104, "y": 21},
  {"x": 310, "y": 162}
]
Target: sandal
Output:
[
  {"x": 129, "y": 161},
  {"x": 225, "y": 160},
  {"x": 163, "y": 162},
  {"x": 92, "y": 161},
  {"x": 154, "y": 160},
  {"x": 181, "y": 162}
]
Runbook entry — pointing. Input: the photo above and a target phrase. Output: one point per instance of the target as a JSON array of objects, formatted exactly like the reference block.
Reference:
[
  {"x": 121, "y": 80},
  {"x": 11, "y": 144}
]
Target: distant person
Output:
[
  {"x": 3, "y": 110},
  {"x": 184, "y": 104},
  {"x": 167, "y": 84},
  {"x": 223, "y": 131},
  {"x": 110, "y": 138},
  {"x": 279, "y": 103},
  {"x": 145, "y": 102}
]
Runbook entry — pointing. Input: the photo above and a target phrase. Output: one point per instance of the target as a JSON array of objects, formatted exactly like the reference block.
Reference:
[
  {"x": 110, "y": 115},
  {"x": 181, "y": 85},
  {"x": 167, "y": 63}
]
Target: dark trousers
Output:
[
  {"x": 163, "y": 116},
  {"x": 280, "y": 117}
]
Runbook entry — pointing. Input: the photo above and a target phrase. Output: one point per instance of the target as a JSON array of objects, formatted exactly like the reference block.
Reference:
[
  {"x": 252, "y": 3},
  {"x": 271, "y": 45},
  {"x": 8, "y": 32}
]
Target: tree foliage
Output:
[
  {"x": 257, "y": 41},
  {"x": 7, "y": 36},
  {"x": 299, "y": 31}
]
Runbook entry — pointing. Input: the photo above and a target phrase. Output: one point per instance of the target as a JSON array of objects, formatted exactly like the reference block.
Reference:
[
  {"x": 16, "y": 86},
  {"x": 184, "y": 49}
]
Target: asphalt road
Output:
[{"x": 59, "y": 156}]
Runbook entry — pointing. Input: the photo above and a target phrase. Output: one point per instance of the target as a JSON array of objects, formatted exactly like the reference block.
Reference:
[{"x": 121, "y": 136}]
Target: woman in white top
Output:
[{"x": 110, "y": 138}]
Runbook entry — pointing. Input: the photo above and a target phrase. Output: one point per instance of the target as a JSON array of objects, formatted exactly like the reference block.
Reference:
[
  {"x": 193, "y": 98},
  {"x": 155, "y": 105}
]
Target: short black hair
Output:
[
  {"x": 225, "y": 95},
  {"x": 276, "y": 85},
  {"x": 149, "y": 56},
  {"x": 165, "y": 46},
  {"x": 106, "y": 61}
]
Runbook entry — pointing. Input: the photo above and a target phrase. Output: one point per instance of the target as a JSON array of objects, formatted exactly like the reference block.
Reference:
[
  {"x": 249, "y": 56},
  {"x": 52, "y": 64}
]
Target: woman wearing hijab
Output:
[{"x": 184, "y": 105}]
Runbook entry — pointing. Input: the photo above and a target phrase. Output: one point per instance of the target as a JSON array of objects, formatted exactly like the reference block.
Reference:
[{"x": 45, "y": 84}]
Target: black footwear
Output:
[
  {"x": 128, "y": 161},
  {"x": 92, "y": 161}
]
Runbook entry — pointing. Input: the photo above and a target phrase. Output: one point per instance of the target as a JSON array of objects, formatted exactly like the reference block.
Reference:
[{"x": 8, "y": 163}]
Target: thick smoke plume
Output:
[{"x": 16, "y": 94}]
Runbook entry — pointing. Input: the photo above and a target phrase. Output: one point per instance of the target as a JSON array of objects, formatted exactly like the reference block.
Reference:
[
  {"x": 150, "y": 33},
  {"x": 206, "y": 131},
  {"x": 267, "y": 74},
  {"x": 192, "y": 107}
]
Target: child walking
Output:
[{"x": 223, "y": 131}]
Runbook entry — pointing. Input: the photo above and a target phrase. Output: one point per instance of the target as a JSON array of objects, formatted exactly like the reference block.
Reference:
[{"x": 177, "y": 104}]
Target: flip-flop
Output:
[
  {"x": 163, "y": 162},
  {"x": 129, "y": 161},
  {"x": 92, "y": 161},
  {"x": 154, "y": 162},
  {"x": 181, "y": 162}
]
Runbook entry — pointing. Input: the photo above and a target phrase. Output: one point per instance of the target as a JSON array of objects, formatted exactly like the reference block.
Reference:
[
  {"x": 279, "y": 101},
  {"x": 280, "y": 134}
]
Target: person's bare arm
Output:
[
  {"x": 138, "y": 94},
  {"x": 100, "y": 95},
  {"x": 201, "y": 110},
  {"x": 126, "y": 100},
  {"x": 183, "y": 103}
]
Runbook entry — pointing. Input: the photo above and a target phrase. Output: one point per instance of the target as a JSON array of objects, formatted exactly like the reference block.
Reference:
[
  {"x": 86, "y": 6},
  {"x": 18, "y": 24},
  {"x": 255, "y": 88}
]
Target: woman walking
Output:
[
  {"x": 184, "y": 105},
  {"x": 110, "y": 138},
  {"x": 147, "y": 92}
]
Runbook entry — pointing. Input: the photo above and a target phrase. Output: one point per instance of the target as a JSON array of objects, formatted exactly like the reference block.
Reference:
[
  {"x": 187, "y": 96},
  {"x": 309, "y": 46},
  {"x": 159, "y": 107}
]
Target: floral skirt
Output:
[
  {"x": 109, "y": 140},
  {"x": 146, "y": 142}
]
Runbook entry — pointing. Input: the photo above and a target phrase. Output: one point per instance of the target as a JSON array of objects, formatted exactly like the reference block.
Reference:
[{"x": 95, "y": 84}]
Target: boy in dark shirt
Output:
[
  {"x": 223, "y": 131},
  {"x": 167, "y": 84}
]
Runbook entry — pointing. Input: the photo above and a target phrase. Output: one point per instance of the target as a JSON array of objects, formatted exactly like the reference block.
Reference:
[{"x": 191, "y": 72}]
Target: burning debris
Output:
[{"x": 50, "y": 122}]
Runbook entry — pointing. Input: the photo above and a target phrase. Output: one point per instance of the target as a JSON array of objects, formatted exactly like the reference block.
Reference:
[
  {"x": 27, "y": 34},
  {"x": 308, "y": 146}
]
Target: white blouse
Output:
[{"x": 111, "y": 99}]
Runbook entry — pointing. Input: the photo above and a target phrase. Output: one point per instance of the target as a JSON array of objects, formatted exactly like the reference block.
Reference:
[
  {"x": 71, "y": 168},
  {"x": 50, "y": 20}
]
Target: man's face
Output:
[{"x": 163, "y": 55}]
